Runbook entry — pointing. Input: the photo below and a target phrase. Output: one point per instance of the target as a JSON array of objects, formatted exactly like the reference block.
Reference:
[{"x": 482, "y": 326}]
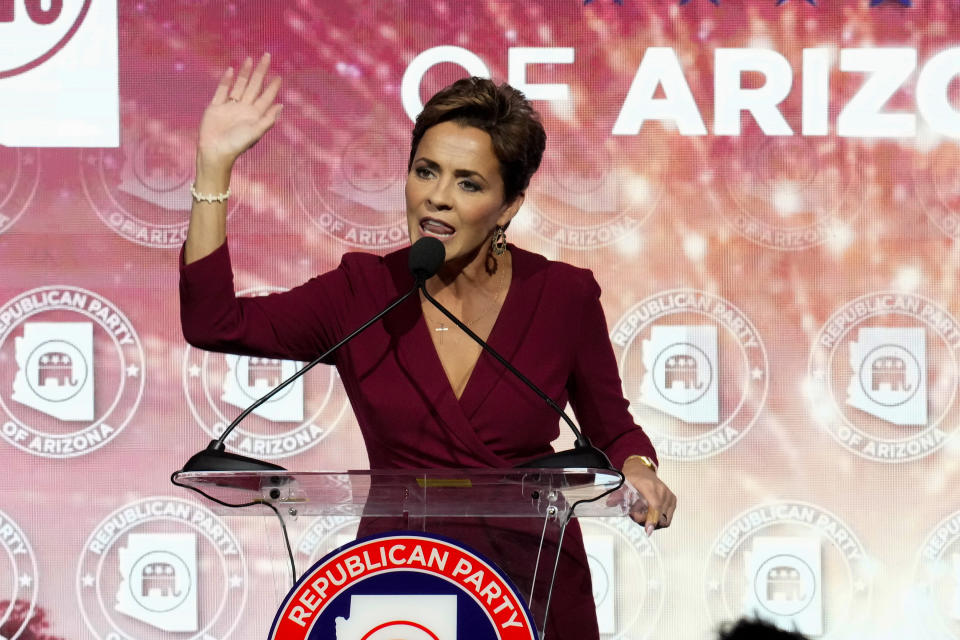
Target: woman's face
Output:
[{"x": 454, "y": 191}]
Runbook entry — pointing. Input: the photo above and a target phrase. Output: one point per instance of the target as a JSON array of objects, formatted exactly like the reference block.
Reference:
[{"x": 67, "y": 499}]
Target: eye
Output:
[
  {"x": 468, "y": 185},
  {"x": 422, "y": 172}
]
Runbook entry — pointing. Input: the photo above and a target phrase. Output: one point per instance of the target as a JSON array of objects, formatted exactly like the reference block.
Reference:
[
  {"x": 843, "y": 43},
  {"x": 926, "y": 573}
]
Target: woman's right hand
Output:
[{"x": 241, "y": 111}]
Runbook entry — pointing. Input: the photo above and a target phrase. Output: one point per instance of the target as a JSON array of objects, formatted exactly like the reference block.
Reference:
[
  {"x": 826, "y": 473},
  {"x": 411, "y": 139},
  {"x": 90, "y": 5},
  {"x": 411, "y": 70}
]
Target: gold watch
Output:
[{"x": 647, "y": 460}]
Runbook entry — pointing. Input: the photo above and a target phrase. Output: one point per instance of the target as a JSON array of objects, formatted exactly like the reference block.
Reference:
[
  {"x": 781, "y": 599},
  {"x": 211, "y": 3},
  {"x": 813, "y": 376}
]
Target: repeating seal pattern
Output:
[
  {"x": 20, "y": 573},
  {"x": 887, "y": 363},
  {"x": 937, "y": 579},
  {"x": 595, "y": 201},
  {"x": 695, "y": 370},
  {"x": 73, "y": 372},
  {"x": 786, "y": 193},
  {"x": 219, "y": 386},
  {"x": 142, "y": 189},
  {"x": 50, "y": 26},
  {"x": 19, "y": 177},
  {"x": 937, "y": 187},
  {"x": 793, "y": 563},
  {"x": 140, "y": 570},
  {"x": 355, "y": 194}
]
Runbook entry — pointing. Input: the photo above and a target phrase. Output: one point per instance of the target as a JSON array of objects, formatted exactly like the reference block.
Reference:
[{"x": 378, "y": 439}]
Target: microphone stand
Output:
[{"x": 584, "y": 454}]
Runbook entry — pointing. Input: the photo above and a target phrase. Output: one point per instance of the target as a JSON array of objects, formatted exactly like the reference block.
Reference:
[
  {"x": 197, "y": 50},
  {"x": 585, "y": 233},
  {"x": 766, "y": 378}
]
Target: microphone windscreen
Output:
[{"x": 426, "y": 257}]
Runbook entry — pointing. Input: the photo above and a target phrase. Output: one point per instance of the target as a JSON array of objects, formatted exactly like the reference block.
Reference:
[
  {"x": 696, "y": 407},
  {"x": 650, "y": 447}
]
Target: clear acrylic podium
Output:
[{"x": 518, "y": 518}]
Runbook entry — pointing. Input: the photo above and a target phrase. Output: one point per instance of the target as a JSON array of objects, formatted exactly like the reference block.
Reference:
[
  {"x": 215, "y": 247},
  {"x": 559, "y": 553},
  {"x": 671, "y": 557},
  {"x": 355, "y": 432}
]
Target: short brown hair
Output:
[{"x": 500, "y": 110}]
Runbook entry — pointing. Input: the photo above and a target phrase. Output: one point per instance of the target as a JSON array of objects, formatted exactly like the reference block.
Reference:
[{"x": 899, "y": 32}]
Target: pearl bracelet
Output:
[{"x": 207, "y": 197}]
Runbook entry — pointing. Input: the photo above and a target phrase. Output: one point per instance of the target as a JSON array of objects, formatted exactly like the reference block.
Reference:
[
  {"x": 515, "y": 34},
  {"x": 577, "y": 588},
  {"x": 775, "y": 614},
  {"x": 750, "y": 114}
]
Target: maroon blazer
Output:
[{"x": 551, "y": 327}]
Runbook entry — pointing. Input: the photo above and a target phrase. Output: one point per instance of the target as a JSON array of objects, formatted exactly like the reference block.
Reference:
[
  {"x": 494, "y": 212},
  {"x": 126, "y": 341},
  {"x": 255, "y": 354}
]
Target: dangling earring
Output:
[{"x": 499, "y": 241}]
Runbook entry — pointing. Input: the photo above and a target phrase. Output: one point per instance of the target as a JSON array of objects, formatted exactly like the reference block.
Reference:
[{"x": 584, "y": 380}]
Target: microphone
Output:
[
  {"x": 584, "y": 454},
  {"x": 424, "y": 261}
]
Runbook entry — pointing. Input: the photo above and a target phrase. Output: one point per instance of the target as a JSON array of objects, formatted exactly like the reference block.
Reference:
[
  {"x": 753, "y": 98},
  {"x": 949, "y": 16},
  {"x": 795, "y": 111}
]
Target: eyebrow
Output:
[{"x": 460, "y": 173}]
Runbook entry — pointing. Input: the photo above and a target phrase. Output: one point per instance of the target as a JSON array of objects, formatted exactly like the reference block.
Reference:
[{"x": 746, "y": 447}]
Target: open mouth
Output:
[{"x": 436, "y": 229}]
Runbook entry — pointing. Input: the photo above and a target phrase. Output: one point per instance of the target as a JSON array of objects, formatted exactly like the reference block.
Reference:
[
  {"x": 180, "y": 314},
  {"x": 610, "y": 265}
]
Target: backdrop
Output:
[{"x": 766, "y": 191}]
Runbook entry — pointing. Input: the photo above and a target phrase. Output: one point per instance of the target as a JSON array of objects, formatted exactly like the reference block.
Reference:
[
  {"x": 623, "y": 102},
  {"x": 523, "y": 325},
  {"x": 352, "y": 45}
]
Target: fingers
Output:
[
  {"x": 269, "y": 95},
  {"x": 255, "y": 83},
  {"x": 223, "y": 88},
  {"x": 236, "y": 93}
]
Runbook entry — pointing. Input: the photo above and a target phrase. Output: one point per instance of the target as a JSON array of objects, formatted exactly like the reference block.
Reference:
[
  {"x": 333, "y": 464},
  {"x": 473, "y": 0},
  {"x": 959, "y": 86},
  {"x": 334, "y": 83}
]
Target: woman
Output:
[{"x": 475, "y": 147}]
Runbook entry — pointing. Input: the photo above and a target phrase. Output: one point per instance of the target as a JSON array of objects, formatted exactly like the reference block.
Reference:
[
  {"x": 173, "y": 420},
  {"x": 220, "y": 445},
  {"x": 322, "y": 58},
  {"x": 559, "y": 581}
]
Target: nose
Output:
[{"x": 439, "y": 196}]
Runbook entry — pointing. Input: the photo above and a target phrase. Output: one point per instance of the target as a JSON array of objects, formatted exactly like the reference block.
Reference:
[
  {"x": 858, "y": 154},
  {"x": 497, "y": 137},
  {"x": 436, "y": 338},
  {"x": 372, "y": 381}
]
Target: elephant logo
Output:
[
  {"x": 682, "y": 370},
  {"x": 57, "y": 365},
  {"x": 890, "y": 371}
]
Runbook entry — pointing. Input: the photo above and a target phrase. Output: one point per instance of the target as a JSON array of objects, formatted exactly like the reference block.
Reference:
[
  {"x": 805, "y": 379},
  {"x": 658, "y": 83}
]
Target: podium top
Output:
[{"x": 521, "y": 493}]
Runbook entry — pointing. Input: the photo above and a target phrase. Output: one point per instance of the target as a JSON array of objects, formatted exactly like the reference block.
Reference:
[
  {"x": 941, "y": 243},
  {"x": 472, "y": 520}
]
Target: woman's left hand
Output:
[{"x": 661, "y": 503}]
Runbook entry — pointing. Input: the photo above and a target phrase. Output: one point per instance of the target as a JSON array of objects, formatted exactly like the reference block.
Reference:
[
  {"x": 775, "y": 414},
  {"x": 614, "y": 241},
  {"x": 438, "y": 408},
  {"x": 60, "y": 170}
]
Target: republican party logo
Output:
[
  {"x": 588, "y": 195},
  {"x": 18, "y": 577},
  {"x": 141, "y": 572},
  {"x": 786, "y": 193},
  {"x": 414, "y": 586},
  {"x": 19, "y": 177},
  {"x": 142, "y": 189},
  {"x": 937, "y": 187},
  {"x": 694, "y": 369},
  {"x": 58, "y": 73},
  {"x": 793, "y": 564},
  {"x": 354, "y": 191},
  {"x": 74, "y": 371},
  {"x": 887, "y": 366},
  {"x": 219, "y": 386},
  {"x": 937, "y": 580}
]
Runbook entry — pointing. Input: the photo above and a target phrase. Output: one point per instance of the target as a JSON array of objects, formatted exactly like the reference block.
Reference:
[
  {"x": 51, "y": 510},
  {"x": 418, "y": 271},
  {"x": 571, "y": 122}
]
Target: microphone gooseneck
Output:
[
  {"x": 584, "y": 454},
  {"x": 426, "y": 257}
]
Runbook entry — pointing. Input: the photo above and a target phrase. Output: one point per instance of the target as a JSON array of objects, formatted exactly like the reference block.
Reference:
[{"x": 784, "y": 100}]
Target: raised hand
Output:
[{"x": 241, "y": 111}]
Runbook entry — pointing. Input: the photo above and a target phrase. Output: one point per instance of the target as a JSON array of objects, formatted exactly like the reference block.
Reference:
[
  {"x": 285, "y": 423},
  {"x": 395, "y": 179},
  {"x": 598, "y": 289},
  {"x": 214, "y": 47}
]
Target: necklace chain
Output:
[{"x": 440, "y": 326}]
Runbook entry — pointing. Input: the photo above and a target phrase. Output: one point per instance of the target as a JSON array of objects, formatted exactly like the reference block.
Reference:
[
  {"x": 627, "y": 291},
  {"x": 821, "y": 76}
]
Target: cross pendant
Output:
[{"x": 442, "y": 327}]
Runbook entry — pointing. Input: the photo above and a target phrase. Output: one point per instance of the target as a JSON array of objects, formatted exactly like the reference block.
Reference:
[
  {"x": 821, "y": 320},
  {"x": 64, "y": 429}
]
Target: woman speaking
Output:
[{"x": 424, "y": 394}]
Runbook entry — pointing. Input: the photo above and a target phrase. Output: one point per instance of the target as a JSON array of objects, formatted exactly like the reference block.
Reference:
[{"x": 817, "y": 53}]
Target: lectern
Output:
[{"x": 516, "y": 518}]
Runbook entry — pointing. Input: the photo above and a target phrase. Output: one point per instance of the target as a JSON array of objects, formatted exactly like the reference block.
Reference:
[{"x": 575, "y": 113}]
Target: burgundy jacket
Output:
[{"x": 551, "y": 327}]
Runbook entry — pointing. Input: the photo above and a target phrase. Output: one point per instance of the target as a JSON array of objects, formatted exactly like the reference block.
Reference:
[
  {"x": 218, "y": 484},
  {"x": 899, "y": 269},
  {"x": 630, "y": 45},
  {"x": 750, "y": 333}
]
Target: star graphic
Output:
[
  {"x": 133, "y": 371},
  {"x": 194, "y": 371},
  {"x": 88, "y": 580},
  {"x": 26, "y": 581},
  {"x": 236, "y": 582},
  {"x": 902, "y": 3},
  {"x": 757, "y": 373}
]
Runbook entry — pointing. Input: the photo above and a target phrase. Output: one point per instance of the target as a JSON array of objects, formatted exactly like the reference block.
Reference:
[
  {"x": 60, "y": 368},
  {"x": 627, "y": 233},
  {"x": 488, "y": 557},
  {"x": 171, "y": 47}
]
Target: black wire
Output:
[{"x": 259, "y": 501}]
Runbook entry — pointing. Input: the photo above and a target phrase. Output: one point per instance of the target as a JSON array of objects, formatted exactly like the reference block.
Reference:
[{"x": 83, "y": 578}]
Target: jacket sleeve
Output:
[
  {"x": 298, "y": 324},
  {"x": 595, "y": 388}
]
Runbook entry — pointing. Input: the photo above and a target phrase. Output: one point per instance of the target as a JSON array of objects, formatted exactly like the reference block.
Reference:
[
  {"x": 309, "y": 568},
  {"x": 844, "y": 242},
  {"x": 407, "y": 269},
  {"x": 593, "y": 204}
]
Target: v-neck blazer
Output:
[{"x": 551, "y": 327}]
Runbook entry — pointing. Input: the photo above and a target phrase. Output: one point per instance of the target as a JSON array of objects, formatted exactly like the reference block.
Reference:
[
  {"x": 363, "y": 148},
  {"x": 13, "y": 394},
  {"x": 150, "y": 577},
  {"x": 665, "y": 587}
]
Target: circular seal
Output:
[
  {"x": 19, "y": 177},
  {"x": 792, "y": 563},
  {"x": 356, "y": 194},
  {"x": 219, "y": 386},
  {"x": 694, "y": 369},
  {"x": 39, "y": 30},
  {"x": 937, "y": 580},
  {"x": 937, "y": 188},
  {"x": 19, "y": 574},
  {"x": 323, "y": 535},
  {"x": 627, "y": 575},
  {"x": 787, "y": 193},
  {"x": 589, "y": 202},
  {"x": 142, "y": 189},
  {"x": 75, "y": 366},
  {"x": 164, "y": 564},
  {"x": 409, "y": 585},
  {"x": 887, "y": 363}
]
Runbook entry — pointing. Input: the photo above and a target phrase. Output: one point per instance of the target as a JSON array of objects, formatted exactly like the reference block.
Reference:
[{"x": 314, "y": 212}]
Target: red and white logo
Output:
[
  {"x": 58, "y": 73},
  {"x": 403, "y": 586}
]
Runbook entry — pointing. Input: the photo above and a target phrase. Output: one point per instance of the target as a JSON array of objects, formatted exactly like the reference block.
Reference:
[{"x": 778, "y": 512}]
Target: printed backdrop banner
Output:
[{"x": 768, "y": 193}]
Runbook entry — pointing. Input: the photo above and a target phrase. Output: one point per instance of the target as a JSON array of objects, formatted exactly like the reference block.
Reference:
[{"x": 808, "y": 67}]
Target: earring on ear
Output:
[{"x": 499, "y": 244}]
